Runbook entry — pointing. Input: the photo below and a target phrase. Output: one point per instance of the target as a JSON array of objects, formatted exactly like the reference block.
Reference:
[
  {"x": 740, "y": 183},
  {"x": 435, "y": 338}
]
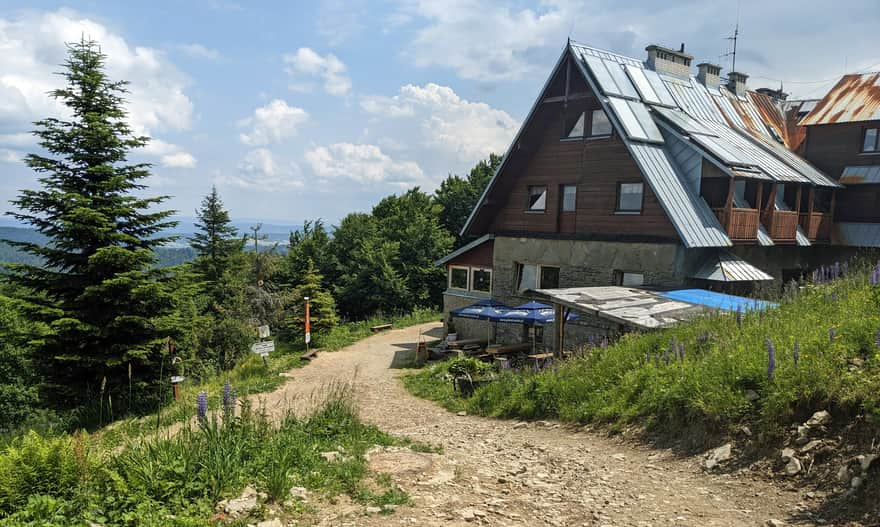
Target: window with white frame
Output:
[
  {"x": 458, "y": 278},
  {"x": 532, "y": 276},
  {"x": 600, "y": 125},
  {"x": 629, "y": 198},
  {"x": 537, "y": 198},
  {"x": 569, "y": 198},
  {"x": 481, "y": 280}
]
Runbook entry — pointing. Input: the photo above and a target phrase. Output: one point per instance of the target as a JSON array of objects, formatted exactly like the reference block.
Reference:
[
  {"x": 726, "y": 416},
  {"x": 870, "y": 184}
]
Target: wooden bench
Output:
[
  {"x": 380, "y": 327},
  {"x": 509, "y": 349},
  {"x": 541, "y": 359}
]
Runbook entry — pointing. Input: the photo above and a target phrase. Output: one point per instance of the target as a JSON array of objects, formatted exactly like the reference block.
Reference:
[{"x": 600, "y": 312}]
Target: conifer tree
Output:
[
  {"x": 97, "y": 287},
  {"x": 216, "y": 241}
]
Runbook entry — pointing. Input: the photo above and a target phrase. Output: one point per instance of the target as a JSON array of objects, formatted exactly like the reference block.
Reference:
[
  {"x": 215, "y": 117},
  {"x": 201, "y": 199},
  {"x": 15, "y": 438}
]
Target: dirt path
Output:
[{"x": 508, "y": 473}]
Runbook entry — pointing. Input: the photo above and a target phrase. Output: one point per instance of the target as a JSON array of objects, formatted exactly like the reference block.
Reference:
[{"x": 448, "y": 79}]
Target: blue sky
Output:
[{"x": 299, "y": 110}]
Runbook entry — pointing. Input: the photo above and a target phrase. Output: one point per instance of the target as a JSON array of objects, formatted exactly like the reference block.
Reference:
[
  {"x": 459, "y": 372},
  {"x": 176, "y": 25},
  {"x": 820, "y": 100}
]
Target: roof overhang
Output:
[
  {"x": 465, "y": 248},
  {"x": 726, "y": 267},
  {"x": 861, "y": 175}
]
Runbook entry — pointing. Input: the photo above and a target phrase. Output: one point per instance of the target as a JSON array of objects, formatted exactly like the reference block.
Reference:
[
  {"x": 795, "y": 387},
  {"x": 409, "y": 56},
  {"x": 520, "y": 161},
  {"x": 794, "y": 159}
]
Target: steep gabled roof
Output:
[
  {"x": 854, "y": 98},
  {"x": 737, "y": 134}
]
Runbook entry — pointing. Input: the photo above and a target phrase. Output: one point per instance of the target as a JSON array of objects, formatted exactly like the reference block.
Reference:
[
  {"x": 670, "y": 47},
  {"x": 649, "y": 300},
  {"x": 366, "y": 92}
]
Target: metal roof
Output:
[
  {"x": 635, "y": 308},
  {"x": 801, "y": 237},
  {"x": 857, "y": 234},
  {"x": 465, "y": 248},
  {"x": 635, "y": 119},
  {"x": 694, "y": 221},
  {"x": 860, "y": 175},
  {"x": 726, "y": 267},
  {"x": 854, "y": 98},
  {"x": 764, "y": 239}
]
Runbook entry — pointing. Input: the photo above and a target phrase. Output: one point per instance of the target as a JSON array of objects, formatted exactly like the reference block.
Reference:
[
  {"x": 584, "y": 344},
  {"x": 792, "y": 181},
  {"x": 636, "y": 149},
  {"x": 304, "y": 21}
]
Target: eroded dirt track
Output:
[{"x": 507, "y": 473}]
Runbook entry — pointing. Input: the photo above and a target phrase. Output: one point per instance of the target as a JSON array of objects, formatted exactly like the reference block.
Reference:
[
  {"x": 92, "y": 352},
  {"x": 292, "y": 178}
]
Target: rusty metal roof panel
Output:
[
  {"x": 854, "y": 98},
  {"x": 861, "y": 175}
]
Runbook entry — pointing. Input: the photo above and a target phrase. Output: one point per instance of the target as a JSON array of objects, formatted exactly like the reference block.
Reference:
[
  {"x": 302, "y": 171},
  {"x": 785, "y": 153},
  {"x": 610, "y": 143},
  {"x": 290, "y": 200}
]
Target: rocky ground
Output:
[{"x": 495, "y": 472}]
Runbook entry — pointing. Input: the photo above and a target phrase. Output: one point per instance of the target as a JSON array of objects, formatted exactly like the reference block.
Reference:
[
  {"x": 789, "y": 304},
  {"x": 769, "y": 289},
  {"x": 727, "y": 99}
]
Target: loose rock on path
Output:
[{"x": 495, "y": 472}]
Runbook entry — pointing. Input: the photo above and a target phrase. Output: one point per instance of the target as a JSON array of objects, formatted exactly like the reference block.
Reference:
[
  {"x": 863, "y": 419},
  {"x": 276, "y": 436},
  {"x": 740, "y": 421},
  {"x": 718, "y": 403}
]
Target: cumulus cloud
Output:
[
  {"x": 272, "y": 123},
  {"x": 33, "y": 45},
  {"x": 199, "y": 51},
  {"x": 447, "y": 122},
  {"x": 306, "y": 65},
  {"x": 361, "y": 163},
  {"x": 170, "y": 155},
  {"x": 259, "y": 170}
]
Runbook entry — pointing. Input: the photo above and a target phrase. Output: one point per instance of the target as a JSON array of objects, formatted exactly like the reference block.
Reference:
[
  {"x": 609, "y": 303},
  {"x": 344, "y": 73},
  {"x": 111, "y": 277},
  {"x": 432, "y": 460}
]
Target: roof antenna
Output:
[{"x": 734, "y": 39}]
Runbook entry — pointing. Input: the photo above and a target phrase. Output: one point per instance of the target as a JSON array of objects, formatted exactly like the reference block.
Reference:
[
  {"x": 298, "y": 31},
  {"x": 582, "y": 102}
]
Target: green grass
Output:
[
  {"x": 178, "y": 480},
  {"x": 618, "y": 386},
  {"x": 348, "y": 333}
]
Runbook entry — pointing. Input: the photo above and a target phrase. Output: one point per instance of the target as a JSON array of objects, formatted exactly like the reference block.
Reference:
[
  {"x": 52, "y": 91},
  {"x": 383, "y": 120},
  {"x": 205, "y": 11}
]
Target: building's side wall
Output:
[
  {"x": 584, "y": 263},
  {"x": 596, "y": 166},
  {"x": 831, "y": 147}
]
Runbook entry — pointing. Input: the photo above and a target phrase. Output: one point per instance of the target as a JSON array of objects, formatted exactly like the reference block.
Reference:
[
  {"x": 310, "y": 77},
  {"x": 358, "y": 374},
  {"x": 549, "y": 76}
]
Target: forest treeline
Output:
[{"x": 87, "y": 316}]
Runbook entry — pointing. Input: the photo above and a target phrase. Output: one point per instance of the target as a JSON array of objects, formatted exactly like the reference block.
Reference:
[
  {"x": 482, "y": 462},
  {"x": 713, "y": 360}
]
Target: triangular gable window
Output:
[{"x": 578, "y": 128}]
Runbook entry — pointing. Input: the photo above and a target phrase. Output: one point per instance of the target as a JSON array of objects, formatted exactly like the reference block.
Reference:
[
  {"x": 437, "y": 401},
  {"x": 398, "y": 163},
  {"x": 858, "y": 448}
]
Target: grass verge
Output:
[
  {"x": 177, "y": 481},
  {"x": 712, "y": 373}
]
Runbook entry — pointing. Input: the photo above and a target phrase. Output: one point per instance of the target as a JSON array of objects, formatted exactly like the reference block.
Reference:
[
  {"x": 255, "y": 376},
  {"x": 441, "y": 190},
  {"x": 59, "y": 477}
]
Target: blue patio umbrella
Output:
[
  {"x": 486, "y": 309},
  {"x": 531, "y": 313}
]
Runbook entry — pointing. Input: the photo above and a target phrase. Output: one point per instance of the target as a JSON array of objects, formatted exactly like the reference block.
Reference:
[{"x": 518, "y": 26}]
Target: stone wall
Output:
[
  {"x": 584, "y": 263},
  {"x": 580, "y": 332}
]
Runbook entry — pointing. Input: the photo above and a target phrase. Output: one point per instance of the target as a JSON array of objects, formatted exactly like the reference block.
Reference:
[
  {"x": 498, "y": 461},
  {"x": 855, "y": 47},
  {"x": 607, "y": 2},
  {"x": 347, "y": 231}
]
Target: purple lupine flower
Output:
[
  {"x": 771, "y": 359},
  {"x": 604, "y": 342},
  {"x": 666, "y": 357},
  {"x": 797, "y": 353},
  {"x": 832, "y": 333},
  {"x": 202, "y": 405},
  {"x": 877, "y": 338},
  {"x": 739, "y": 316},
  {"x": 681, "y": 350},
  {"x": 672, "y": 348}
]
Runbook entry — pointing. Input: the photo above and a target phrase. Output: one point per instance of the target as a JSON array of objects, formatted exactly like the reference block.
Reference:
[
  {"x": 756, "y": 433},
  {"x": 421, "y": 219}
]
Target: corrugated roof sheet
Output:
[
  {"x": 857, "y": 234},
  {"x": 726, "y": 267},
  {"x": 860, "y": 175},
  {"x": 800, "y": 237},
  {"x": 854, "y": 98},
  {"x": 694, "y": 221},
  {"x": 764, "y": 239}
]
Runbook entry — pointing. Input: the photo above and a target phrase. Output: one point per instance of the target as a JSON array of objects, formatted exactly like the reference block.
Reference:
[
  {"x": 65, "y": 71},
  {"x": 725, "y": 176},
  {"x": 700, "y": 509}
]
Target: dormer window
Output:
[
  {"x": 591, "y": 123},
  {"x": 871, "y": 141}
]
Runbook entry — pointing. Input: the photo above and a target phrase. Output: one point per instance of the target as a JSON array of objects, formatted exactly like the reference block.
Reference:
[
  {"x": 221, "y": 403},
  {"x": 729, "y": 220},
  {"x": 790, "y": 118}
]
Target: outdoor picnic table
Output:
[
  {"x": 508, "y": 350},
  {"x": 541, "y": 359},
  {"x": 467, "y": 343}
]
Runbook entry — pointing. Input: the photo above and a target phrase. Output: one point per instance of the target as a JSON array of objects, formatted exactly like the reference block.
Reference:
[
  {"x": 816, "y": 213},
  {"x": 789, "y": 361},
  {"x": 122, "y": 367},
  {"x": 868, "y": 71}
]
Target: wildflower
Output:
[
  {"x": 739, "y": 316},
  {"x": 666, "y": 357},
  {"x": 831, "y": 334},
  {"x": 228, "y": 396},
  {"x": 202, "y": 406},
  {"x": 681, "y": 350},
  {"x": 797, "y": 353},
  {"x": 771, "y": 359}
]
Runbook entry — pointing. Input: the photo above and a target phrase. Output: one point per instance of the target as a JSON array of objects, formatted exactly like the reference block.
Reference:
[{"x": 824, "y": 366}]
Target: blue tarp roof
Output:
[{"x": 707, "y": 298}]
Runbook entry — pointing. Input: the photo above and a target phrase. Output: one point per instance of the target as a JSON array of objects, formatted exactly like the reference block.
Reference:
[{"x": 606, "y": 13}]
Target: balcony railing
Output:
[
  {"x": 741, "y": 224},
  {"x": 781, "y": 224},
  {"x": 817, "y": 225}
]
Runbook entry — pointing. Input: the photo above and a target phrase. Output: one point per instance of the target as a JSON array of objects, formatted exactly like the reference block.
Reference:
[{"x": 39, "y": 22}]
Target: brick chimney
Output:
[
  {"x": 669, "y": 61},
  {"x": 736, "y": 83},
  {"x": 709, "y": 74}
]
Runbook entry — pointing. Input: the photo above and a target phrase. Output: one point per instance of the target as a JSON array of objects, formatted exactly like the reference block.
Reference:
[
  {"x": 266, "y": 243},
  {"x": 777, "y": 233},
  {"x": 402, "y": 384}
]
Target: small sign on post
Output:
[
  {"x": 263, "y": 332},
  {"x": 263, "y": 348},
  {"x": 308, "y": 324}
]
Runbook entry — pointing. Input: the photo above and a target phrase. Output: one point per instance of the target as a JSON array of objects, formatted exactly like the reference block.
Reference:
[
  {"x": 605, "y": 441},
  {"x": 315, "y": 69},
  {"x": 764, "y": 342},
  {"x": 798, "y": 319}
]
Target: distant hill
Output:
[{"x": 167, "y": 256}]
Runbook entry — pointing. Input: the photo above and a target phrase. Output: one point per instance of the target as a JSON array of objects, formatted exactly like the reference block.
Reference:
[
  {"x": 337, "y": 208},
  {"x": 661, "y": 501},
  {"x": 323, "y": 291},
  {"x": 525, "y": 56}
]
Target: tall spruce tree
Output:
[
  {"x": 97, "y": 288},
  {"x": 216, "y": 240}
]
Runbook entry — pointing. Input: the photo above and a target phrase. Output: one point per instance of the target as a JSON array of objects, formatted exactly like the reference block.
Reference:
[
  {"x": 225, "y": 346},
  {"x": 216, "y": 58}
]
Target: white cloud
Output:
[
  {"x": 10, "y": 156},
  {"x": 272, "y": 123},
  {"x": 446, "y": 122},
  {"x": 481, "y": 40},
  {"x": 198, "y": 51},
  {"x": 361, "y": 163},
  {"x": 170, "y": 155},
  {"x": 259, "y": 170},
  {"x": 32, "y": 46},
  {"x": 307, "y": 64}
]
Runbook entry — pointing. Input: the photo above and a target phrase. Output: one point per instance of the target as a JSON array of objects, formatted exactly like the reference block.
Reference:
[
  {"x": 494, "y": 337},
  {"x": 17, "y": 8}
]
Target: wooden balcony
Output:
[
  {"x": 741, "y": 224},
  {"x": 817, "y": 225},
  {"x": 781, "y": 225}
]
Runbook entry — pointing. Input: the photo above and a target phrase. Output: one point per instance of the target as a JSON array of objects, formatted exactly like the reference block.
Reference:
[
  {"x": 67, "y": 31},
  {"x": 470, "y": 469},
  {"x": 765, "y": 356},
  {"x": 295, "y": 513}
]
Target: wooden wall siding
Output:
[
  {"x": 859, "y": 203},
  {"x": 481, "y": 255},
  {"x": 833, "y": 146},
  {"x": 596, "y": 166}
]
